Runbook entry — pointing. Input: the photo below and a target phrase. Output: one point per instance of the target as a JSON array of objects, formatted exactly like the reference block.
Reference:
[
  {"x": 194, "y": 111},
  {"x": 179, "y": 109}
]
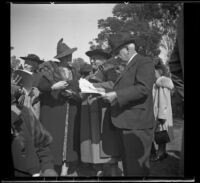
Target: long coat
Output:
[
  {"x": 53, "y": 116},
  {"x": 99, "y": 138},
  {"x": 162, "y": 103}
]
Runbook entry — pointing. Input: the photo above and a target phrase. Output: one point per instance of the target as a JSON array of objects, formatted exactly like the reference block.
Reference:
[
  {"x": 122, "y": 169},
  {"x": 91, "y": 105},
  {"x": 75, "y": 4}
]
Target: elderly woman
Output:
[
  {"x": 99, "y": 145},
  {"x": 60, "y": 104}
]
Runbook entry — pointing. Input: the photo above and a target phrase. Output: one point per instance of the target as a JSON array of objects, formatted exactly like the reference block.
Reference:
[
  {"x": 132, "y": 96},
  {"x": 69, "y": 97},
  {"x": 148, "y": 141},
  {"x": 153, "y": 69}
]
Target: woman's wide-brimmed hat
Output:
[
  {"x": 98, "y": 52},
  {"x": 32, "y": 58},
  {"x": 63, "y": 50},
  {"x": 119, "y": 40}
]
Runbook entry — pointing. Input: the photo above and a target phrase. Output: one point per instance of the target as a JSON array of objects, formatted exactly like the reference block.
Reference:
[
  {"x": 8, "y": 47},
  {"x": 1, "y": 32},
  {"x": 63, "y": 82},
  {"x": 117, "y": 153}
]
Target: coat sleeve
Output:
[
  {"x": 142, "y": 87},
  {"x": 163, "y": 103},
  {"x": 108, "y": 85},
  {"x": 44, "y": 85}
]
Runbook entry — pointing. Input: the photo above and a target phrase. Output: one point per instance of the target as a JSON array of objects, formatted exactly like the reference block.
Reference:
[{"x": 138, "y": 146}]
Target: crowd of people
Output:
[{"x": 56, "y": 128}]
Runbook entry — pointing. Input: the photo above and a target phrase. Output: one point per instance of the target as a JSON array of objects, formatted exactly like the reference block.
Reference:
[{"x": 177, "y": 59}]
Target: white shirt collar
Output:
[{"x": 131, "y": 57}]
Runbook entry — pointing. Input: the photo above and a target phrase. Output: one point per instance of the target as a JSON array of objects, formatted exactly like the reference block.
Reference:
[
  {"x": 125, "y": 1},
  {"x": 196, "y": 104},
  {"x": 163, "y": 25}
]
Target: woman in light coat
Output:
[{"x": 162, "y": 106}]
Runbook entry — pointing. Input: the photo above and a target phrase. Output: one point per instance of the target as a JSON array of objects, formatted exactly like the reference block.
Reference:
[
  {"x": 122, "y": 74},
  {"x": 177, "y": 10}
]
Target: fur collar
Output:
[{"x": 165, "y": 82}]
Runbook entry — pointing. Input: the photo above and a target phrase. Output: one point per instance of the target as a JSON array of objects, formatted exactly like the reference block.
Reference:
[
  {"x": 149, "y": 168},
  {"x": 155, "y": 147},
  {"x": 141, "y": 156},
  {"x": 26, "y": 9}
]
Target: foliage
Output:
[
  {"x": 15, "y": 63},
  {"x": 150, "y": 22}
]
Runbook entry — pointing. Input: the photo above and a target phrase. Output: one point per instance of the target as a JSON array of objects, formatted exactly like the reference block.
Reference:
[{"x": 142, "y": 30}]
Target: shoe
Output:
[
  {"x": 152, "y": 157},
  {"x": 159, "y": 157},
  {"x": 99, "y": 173}
]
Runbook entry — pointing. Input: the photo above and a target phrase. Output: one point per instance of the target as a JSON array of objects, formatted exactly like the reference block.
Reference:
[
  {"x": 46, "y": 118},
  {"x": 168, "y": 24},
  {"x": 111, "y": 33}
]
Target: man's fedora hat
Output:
[
  {"x": 63, "y": 49},
  {"x": 32, "y": 58},
  {"x": 119, "y": 40},
  {"x": 98, "y": 52}
]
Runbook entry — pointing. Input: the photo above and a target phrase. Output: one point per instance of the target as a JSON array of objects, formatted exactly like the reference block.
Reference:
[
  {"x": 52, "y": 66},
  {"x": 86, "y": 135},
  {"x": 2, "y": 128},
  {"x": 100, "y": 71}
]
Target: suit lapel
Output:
[{"x": 130, "y": 64}]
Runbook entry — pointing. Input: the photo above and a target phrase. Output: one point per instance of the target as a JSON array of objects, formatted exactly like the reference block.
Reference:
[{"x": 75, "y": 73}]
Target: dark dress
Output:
[{"x": 53, "y": 116}]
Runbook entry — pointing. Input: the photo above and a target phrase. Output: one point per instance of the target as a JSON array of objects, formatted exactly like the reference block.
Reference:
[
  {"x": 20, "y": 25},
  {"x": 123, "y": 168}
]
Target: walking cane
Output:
[{"x": 64, "y": 167}]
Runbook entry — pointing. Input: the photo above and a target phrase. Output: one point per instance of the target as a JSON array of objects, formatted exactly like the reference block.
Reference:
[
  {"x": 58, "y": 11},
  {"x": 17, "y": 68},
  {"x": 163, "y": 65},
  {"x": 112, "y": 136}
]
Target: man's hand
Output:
[
  {"x": 34, "y": 94},
  {"x": 101, "y": 90},
  {"x": 59, "y": 85},
  {"x": 111, "y": 97}
]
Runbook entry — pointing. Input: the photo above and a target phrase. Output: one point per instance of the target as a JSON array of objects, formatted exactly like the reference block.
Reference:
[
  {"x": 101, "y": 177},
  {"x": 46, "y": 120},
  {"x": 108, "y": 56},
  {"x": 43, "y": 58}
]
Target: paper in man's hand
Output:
[{"x": 87, "y": 87}]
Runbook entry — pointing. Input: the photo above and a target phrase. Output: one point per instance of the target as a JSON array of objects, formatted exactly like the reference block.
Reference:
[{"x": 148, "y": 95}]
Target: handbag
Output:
[{"x": 161, "y": 137}]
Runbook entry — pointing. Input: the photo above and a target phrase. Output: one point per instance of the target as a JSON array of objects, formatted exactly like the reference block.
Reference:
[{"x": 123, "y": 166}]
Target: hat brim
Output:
[
  {"x": 98, "y": 52},
  {"x": 116, "y": 49},
  {"x": 33, "y": 60},
  {"x": 65, "y": 53}
]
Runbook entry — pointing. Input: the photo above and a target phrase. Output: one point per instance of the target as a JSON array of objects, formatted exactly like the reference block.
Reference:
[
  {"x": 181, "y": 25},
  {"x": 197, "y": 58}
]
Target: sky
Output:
[{"x": 37, "y": 28}]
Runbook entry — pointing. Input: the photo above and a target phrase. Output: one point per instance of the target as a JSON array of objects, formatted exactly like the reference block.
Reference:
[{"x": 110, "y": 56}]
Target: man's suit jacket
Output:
[{"x": 134, "y": 109}]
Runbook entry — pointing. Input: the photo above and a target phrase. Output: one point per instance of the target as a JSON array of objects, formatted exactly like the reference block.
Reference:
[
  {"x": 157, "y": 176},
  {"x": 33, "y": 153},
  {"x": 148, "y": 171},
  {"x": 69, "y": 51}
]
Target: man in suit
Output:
[{"x": 132, "y": 106}]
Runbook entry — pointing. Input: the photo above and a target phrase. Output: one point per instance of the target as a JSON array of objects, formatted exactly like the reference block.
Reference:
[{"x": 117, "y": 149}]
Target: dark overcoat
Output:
[
  {"x": 53, "y": 116},
  {"x": 133, "y": 114},
  {"x": 134, "y": 109}
]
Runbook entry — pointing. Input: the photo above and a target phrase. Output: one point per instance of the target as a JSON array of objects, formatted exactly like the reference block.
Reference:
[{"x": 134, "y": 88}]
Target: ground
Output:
[{"x": 169, "y": 167}]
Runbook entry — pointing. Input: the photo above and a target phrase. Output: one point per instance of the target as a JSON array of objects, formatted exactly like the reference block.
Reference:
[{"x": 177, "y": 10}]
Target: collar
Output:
[{"x": 131, "y": 58}]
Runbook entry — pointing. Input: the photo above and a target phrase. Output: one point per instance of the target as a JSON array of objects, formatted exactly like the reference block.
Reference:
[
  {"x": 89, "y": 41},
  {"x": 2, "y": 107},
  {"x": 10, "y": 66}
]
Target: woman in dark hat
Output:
[
  {"x": 60, "y": 107},
  {"x": 98, "y": 60},
  {"x": 32, "y": 63},
  {"x": 97, "y": 146}
]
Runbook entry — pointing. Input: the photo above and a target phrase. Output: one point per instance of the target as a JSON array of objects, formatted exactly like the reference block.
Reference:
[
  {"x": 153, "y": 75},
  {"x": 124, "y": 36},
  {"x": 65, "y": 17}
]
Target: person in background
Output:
[
  {"x": 60, "y": 105},
  {"x": 98, "y": 137},
  {"x": 85, "y": 70},
  {"x": 30, "y": 141},
  {"x": 162, "y": 106},
  {"x": 132, "y": 105},
  {"x": 31, "y": 64}
]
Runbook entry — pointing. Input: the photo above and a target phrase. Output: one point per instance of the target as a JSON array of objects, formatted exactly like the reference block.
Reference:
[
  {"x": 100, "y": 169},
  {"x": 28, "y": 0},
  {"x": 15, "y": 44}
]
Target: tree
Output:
[{"x": 150, "y": 23}]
